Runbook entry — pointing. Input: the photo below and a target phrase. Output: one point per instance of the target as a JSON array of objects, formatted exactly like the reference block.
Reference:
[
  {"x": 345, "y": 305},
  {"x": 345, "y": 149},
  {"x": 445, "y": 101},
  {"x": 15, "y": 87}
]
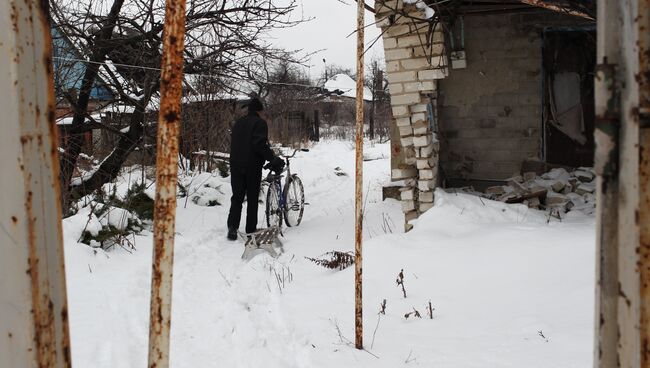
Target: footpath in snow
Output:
[{"x": 509, "y": 288}]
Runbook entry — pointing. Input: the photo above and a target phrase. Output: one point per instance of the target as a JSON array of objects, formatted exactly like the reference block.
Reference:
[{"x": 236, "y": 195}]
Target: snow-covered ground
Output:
[{"x": 509, "y": 288}]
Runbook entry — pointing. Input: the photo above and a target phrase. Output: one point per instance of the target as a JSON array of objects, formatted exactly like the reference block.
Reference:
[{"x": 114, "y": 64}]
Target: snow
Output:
[
  {"x": 499, "y": 277},
  {"x": 346, "y": 86},
  {"x": 420, "y": 4}
]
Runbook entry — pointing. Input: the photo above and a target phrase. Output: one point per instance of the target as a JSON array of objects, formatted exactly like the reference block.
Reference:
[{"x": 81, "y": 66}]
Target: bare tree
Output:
[{"x": 120, "y": 40}]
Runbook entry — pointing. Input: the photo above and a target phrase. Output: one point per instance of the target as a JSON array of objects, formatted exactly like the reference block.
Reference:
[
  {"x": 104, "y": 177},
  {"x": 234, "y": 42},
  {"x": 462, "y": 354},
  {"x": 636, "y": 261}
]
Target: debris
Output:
[{"x": 560, "y": 190}]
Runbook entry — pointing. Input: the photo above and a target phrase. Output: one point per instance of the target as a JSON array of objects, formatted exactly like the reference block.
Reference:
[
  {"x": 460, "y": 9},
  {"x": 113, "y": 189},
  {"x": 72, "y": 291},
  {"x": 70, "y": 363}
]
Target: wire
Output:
[{"x": 194, "y": 74}]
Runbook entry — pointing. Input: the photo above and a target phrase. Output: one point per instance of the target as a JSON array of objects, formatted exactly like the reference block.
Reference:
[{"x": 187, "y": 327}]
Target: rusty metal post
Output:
[
  {"x": 358, "y": 187},
  {"x": 33, "y": 306},
  {"x": 607, "y": 100},
  {"x": 643, "y": 219},
  {"x": 166, "y": 178}
]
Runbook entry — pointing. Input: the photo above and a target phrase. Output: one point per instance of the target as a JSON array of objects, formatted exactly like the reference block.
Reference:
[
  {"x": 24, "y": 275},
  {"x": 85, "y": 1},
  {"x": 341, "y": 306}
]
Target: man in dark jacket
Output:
[{"x": 249, "y": 149}]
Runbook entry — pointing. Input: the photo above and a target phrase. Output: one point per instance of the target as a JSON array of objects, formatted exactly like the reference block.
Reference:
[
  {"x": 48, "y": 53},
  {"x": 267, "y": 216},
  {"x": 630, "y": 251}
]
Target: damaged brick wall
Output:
[
  {"x": 415, "y": 60},
  {"x": 491, "y": 112}
]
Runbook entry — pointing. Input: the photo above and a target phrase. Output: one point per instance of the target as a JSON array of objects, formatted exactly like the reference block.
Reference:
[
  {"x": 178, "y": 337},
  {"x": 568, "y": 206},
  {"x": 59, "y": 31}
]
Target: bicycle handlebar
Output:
[{"x": 294, "y": 152}]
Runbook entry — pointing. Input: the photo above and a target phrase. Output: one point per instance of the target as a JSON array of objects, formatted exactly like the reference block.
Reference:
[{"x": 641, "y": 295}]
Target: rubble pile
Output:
[{"x": 558, "y": 190}]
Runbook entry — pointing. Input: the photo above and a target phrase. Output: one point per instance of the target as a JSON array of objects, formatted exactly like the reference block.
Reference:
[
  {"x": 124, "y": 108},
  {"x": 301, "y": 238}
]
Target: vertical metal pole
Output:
[
  {"x": 166, "y": 177},
  {"x": 33, "y": 302},
  {"x": 358, "y": 187},
  {"x": 607, "y": 100},
  {"x": 644, "y": 176}
]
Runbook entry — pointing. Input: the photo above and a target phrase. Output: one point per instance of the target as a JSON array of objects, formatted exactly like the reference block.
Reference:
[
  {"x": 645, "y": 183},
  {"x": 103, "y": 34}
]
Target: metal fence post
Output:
[
  {"x": 358, "y": 187},
  {"x": 33, "y": 306},
  {"x": 166, "y": 178}
]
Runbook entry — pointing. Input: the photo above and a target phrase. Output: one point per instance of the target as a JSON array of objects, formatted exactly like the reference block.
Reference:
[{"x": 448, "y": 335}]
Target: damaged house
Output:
[{"x": 485, "y": 91}]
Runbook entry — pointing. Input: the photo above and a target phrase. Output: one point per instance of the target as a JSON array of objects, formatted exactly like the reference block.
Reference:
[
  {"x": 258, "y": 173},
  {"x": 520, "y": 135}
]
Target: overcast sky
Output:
[{"x": 332, "y": 22}]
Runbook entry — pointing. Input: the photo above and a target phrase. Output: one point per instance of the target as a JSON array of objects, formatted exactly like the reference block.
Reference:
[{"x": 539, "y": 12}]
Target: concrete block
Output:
[
  {"x": 398, "y": 30},
  {"x": 407, "y": 194},
  {"x": 425, "y": 206},
  {"x": 396, "y": 88},
  {"x": 426, "y": 163},
  {"x": 420, "y": 108},
  {"x": 425, "y": 197},
  {"x": 406, "y": 141},
  {"x": 427, "y": 174},
  {"x": 427, "y": 75},
  {"x": 426, "y": 151},
  {"x": 405, "y": 99},
  {"x": 405, "y": 131},
  {"x": 399, "y": 77},
  {"x": 398, "y": 174},
  {"x": 422, "y": 140},
  {"x": 426, "y": 185},
  {"x": 403, "y": 122},
  {"x": 410, "y": 216},
  {"x": 392, "y": 66},
  {"x": 416, "y": 63},
  {"x": 420, "y": 127},
  {"x": 390, "y": 43},
  {"x": 409, "y": 41},
  {"x": 420, "y": 116},
  {"x": 401, "y": 111},
  {"x": 398, "y": 54},
  {"x": 419, "y": 86},
  {"x": 408, "y": 206}
]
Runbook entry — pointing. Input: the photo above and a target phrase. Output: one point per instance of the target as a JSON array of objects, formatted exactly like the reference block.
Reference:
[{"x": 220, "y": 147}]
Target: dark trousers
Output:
[{"x": 244, "y": 182}]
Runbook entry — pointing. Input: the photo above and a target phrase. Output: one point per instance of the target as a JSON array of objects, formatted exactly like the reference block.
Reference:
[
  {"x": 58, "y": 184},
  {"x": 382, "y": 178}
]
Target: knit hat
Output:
[{"x": 255, "y": 104}]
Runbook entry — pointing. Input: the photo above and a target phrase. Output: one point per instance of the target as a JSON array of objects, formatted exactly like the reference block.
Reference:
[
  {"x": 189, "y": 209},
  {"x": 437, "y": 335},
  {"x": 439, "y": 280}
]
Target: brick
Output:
[
  {"x": 425, "y": 207},
  {"x": 426, "y": 163},
  {"x": 407, "y": 141},
  {"x": 419, "y": 86},
  {"x": 418, "y": 116},
  {"x": 416, "y": 63},
  {"x": 420, "y": 127},
  {"x": 398, "y": 30},
  {"x": 405, "y": 99},
  {"x": 411, "y": 160},
  {"x": 410, "y": 216},
  {"x": 407, "y": 194},
  {"x": 400, "y": 111},
  {"x": 427, "y": 174},
  {"x": 390, "y": 42},
  {"x": 426, "y": 185},
  {"x": 392, "y": 66},
  {"x": 400, "y": 122},
  {"x": 426, "y": 75},
  {"x": 408, "y": 206},
  {"x": 398, "y": 54},
  {"x": 425, "y": 197},
  {"x": 411, "y": 182},
  {"x": 426, "y": 151},
  {"x": 401, "y": 77},
  {"x": 409, "y": 41},
  {"x": 396, "y": 88},
  {"x": 419, "y": 108},
  {"x": 405, "y": 130},
  {"x": 405, "y": 173},
  {"x": 435, "y": 50},
  {"x": 422, "y": 140}
]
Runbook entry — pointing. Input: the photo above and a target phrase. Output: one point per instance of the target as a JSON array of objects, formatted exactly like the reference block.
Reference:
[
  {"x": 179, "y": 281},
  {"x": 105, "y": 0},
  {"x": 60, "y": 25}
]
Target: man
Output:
[{"x": 249, "y": 149}]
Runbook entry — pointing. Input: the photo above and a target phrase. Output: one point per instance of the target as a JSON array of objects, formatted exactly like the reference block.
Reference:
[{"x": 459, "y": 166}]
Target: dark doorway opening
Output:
[{"x": 569, "y": 60}]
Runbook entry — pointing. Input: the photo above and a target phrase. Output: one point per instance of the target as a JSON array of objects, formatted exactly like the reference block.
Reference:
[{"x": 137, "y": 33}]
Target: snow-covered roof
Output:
[
  {"x": 68, "y": 119},
  {"x": 347, "y": 87}
]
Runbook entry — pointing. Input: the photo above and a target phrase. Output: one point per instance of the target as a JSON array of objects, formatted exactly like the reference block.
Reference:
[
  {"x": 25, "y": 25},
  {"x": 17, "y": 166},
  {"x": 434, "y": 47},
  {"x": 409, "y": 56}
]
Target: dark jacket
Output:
[{"x": 249, "y": 145}]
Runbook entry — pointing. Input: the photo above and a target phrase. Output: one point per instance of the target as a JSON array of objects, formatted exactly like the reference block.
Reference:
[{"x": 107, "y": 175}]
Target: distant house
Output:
[{"x": 69, "y": 69}]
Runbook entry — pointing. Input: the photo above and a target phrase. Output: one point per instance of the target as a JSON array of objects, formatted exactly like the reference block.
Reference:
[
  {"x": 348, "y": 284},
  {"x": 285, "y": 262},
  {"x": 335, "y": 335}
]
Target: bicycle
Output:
[{"x": 286, "y": 203}]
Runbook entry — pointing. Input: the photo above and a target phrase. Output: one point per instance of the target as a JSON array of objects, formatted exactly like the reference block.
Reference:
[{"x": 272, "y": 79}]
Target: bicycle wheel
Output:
[
  {"x": 273, "y": 210},
  {"x": 294, "y": 195}
]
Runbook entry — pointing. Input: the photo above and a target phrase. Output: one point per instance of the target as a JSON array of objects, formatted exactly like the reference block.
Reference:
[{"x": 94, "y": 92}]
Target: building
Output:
[{"x": 480, "y": 88}]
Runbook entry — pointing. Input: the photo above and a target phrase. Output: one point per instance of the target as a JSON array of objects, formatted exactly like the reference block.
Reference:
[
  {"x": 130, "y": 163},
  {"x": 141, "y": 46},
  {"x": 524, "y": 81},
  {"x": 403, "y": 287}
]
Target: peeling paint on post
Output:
[
  {"x": 358, "y": 187},
  {"x": 644, "y": 176},
  {"x": 166, "y": 178},
  {"x": 33, "y": 302},
  {"x": 606, "y": 135}
]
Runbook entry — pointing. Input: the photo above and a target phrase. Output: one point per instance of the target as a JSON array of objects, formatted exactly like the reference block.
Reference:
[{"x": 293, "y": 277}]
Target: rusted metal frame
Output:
[
  {"x": 358, "y": 187},
  {"x": 643, "y": 219},
  {"x": 33, "y": 301},
  {"x": 171, "y": 79},
  {"x": 557, "y": 8}
]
